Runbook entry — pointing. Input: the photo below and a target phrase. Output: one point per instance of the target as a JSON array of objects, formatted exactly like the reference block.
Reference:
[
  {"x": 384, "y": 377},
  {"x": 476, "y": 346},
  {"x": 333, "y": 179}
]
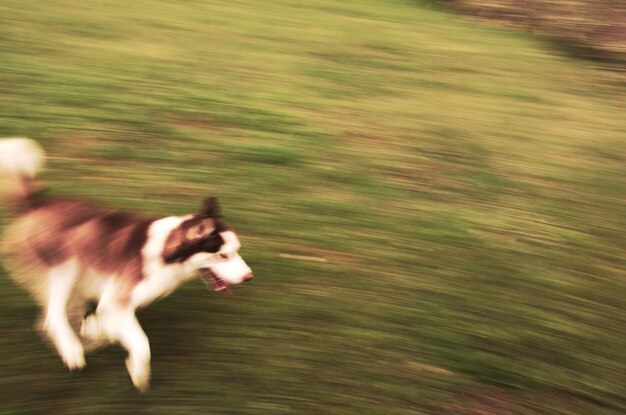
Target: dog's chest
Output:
[{"x": 160, "y": 281}]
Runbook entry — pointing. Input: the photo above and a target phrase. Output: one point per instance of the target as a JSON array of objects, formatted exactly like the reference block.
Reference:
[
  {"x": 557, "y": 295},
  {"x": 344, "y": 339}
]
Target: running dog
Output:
[{"x": 68, "y": 253}]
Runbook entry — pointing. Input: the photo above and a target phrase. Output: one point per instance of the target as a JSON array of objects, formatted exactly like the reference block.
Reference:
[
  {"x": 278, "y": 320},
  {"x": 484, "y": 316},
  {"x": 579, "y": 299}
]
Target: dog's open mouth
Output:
[{"x": 209, "y": 277}]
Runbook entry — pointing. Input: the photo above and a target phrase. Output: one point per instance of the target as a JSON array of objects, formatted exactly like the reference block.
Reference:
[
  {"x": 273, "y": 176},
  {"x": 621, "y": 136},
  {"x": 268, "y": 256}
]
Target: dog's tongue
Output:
[{"x": 219, "y": 286}]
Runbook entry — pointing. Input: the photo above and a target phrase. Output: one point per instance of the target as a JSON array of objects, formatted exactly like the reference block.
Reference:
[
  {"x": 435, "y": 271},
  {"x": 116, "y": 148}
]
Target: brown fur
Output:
[
  {"x": 54, "y": 230},
  {"x": 192, "y": 234}
]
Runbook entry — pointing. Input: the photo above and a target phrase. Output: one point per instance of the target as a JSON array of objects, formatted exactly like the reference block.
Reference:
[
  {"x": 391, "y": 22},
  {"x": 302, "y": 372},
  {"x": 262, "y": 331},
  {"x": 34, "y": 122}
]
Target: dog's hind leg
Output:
[{"x": 61, "y": 280}]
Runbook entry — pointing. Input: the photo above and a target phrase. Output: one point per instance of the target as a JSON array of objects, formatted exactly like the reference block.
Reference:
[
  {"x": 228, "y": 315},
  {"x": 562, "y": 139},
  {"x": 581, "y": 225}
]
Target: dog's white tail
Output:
[{"x": 20, "y": 161}]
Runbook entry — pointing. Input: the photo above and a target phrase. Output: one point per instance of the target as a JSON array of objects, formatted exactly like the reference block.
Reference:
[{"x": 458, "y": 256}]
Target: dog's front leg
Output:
[
  {"x": 115, "y": 322},
  {"x": 120, "y": 325},
  {"x": 133, "y": 338}
]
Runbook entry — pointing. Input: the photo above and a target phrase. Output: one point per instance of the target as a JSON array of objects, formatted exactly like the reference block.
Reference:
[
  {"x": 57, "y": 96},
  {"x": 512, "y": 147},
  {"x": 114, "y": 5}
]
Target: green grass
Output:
[{"x": 465, "y": 185}]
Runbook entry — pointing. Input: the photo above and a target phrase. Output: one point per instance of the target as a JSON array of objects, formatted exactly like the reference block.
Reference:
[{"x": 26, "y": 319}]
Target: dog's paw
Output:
[
  {"x": 73, "y": 355},
  {"x": 139, "y": 373}
]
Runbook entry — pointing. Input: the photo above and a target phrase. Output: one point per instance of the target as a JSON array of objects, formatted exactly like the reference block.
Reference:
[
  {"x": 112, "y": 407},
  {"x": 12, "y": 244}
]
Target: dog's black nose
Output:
[{"x": 247, "y": 277}]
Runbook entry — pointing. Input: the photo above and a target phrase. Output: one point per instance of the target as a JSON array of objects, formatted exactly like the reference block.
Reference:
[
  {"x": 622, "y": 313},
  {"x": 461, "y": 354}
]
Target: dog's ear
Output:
[
  {"x": 172, "y": 246},
  {"x": 211, "y": 208}
]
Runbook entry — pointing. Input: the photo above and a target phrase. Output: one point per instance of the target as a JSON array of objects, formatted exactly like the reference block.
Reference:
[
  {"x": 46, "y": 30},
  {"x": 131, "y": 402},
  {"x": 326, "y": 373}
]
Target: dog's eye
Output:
[{"x": 224, "y": 256}]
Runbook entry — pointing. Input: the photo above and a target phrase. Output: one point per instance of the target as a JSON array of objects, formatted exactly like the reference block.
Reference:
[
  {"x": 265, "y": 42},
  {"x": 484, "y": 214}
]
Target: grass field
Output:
[{"x": 464, "y": 184}]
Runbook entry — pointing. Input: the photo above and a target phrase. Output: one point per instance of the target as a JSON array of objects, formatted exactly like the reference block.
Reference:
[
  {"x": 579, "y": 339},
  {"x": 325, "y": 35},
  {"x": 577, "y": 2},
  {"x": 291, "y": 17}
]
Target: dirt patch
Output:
[{"x": 590, "y": 29}]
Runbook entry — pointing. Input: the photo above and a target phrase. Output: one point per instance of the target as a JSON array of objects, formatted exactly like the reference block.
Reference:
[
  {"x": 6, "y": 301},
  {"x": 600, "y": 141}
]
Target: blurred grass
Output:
[{"x": 465, "y": 186}]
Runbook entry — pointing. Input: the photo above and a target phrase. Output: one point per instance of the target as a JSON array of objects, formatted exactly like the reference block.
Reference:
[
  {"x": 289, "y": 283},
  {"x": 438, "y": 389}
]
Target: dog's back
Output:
[{"x": 106, "y": 241}]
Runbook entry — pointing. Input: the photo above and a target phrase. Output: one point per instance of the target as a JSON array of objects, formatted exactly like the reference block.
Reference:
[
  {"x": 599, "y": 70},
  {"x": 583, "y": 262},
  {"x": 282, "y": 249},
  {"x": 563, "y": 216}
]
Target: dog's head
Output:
[{"x": 207, "y": 245}]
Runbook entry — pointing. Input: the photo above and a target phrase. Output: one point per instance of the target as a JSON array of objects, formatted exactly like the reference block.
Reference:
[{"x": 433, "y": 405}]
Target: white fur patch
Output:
[{"x": 160, "y": 279}]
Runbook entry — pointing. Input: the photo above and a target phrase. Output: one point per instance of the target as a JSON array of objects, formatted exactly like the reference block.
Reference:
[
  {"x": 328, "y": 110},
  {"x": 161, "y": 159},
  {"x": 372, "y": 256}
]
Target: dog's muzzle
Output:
[
  {"x": 219, "y": 285},
  {"x": 210, "y": 279}
]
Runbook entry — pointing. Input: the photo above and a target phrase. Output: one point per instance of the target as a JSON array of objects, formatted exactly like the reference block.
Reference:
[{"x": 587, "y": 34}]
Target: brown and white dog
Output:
[{"x": 68, "y": 253}]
